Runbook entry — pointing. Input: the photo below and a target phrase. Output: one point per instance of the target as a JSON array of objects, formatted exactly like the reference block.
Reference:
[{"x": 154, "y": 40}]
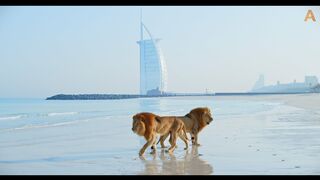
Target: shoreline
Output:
[
  {"x": 305, "y": 101},
  {"x": 134, "y": 96}
]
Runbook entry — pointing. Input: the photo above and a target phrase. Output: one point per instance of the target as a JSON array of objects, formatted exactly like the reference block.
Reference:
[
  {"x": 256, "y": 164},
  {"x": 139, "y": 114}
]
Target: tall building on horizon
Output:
[
  {"x": 153, "y": 71},
  {"x": 259, "y": 83}
]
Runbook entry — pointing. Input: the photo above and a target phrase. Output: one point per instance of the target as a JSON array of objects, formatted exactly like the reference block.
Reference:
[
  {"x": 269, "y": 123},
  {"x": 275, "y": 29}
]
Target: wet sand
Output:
[
  {"x": 305, "y": 101},
  {"x": 284, "y": 140}
]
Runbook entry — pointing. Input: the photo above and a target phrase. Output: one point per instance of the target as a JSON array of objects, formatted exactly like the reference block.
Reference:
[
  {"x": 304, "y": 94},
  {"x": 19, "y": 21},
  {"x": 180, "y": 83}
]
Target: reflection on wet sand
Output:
[{"x": 190, "y": 163}]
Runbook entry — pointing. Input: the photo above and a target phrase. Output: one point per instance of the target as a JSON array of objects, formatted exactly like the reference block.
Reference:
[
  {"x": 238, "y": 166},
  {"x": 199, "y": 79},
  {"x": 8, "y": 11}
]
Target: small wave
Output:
[
  {"x": 46, "y": 125},
  {"x": 295, "y": 127},
  {"x": 62, "y": 113},
  {"x": 26, "y": 127},
  {"x": 11, "y": 117},
  {"x": 177, "y": 112}
]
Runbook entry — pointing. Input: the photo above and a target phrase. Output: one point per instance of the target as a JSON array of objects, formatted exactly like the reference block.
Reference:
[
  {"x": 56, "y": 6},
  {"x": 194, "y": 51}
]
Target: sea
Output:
[{"x": 25, "y": 114}]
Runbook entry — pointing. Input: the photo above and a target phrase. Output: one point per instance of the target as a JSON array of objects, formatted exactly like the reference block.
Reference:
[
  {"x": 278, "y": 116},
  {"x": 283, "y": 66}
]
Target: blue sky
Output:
[{"x": 50, "y": 50}]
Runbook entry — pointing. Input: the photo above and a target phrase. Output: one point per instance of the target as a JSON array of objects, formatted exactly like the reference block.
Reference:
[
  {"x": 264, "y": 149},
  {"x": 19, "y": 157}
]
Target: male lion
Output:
[
  {"x": 194, "y": 122},
  {"x": 149, "y": 125}
]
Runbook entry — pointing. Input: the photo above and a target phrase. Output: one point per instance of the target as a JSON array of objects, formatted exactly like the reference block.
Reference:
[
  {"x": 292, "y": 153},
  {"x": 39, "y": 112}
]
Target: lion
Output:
[
  {"x": 196, "y": 120},
  {"x": 149, "y": 125}
]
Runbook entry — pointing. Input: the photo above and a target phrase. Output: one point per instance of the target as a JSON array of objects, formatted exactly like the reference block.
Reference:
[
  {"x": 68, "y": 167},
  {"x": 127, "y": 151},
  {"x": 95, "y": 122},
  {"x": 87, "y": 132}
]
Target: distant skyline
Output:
[{"x": 75, "y": 50}]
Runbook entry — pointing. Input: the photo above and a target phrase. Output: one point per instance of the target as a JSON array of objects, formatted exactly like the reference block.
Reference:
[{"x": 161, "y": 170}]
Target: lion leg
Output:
[
  {"x": 170, "y": 140},
  {"x": 184, "y": 139},
  {"x": 173, "y": 140},
  {"x": 153, "y": 147},
  {"x": 162, "y": 139},
  {"x": 145, "y": 146},
  {"x": 195, "y": 142},
  {"x": 192, "y": 139}
]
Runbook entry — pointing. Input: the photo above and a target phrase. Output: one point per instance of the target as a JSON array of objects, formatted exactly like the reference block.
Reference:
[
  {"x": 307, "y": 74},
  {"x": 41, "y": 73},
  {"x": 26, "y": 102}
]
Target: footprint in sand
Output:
[
  {"x": 249, "y": 146},
  {"x": 282, "y": 160},
  {"x": 297, "y": 167},
  {"x": 274, "y": 154},
  {"x": 258, "y": 149}
]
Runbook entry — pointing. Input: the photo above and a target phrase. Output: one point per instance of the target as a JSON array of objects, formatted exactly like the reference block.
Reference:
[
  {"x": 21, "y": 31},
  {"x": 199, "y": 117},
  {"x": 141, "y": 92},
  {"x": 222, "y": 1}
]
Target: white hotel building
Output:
[{"x": 153, "y": 72}]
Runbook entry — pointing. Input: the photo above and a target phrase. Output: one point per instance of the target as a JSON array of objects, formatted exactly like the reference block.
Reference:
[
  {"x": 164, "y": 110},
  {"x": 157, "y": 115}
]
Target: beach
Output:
[
  {"x": 262, "y": 134},
  {"x": 305, "y": 101}
]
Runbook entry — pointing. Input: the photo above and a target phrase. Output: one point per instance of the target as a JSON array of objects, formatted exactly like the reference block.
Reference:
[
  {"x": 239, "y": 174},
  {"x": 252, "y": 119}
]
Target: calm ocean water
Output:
[{"x": 19, "y": 114}]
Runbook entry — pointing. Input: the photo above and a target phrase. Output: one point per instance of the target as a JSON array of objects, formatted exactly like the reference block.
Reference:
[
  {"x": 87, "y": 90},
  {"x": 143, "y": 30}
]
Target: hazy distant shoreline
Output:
[{"x": 130, "y": 96}]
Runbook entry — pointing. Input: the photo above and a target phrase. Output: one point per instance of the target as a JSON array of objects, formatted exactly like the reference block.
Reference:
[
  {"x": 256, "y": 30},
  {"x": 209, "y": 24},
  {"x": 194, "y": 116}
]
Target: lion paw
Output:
[{"x": 141, "y": 153}]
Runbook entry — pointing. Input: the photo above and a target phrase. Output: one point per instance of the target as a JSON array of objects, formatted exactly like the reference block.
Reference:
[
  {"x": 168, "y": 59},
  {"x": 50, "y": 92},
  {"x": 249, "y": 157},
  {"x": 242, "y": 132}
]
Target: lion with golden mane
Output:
[
  {"x": 149, "y": 125},
  {"x": 195, "y": 121}
]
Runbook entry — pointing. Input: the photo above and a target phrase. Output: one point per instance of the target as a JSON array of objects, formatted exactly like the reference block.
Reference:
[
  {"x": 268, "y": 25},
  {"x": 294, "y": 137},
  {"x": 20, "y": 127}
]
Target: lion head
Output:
[
  {"x": 144, "y": 124},
  {"x": 138, "y": 124},
  {"x": 202, "y": 115},
  {"x": 207, "y": 116}
]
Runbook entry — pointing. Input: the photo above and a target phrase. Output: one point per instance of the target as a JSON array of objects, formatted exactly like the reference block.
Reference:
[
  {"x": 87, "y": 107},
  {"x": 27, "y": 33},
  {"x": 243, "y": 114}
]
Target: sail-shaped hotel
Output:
[{"x": 153, "y": 72}]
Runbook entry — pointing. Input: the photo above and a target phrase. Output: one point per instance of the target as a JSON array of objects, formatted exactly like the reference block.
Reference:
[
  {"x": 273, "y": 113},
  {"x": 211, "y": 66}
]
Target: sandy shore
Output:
[
  {"x": 284, "y": 140},
  {"x": 281, "y": 136},
  {"x": 306, "y": 101}
]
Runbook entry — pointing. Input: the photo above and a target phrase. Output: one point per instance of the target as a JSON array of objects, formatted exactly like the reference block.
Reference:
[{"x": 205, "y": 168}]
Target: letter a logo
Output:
[{"x": 310, "y": 15}]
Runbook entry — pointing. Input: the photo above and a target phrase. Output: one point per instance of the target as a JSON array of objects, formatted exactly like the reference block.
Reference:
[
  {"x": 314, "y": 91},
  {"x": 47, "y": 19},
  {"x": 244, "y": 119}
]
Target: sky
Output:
[{"x": 74, "y": 50}]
